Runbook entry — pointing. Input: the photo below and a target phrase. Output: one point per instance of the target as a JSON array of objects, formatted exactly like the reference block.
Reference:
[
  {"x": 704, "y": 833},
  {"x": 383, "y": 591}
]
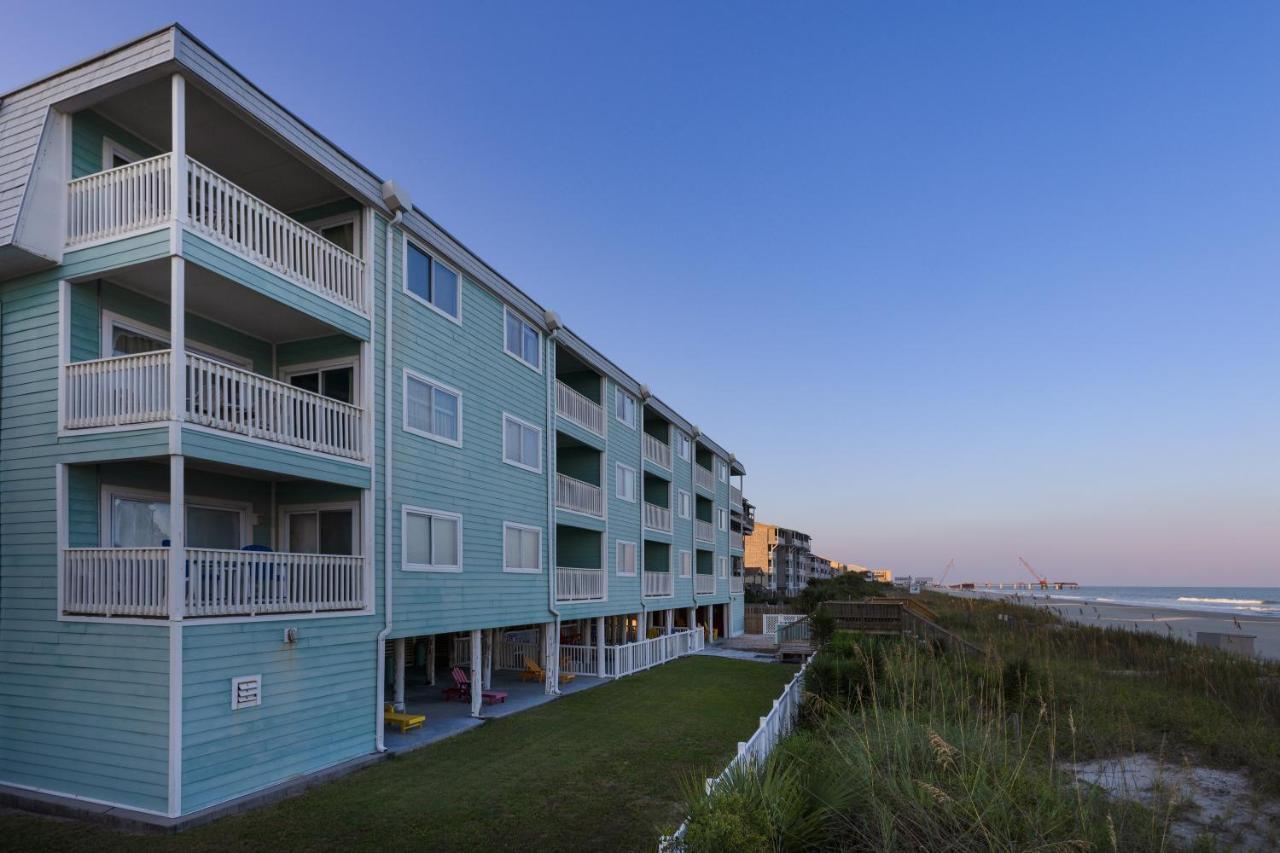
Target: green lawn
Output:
[{"x": 595, "y": 770}]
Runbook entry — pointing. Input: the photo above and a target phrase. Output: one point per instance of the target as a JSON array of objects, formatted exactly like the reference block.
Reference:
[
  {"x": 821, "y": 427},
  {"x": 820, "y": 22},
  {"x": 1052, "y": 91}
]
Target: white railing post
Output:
[{"x": 178, "y": 154}]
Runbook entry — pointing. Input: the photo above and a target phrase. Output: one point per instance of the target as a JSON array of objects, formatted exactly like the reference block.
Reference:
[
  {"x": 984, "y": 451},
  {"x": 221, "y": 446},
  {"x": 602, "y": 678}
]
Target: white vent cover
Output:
[{"x": 246, "y": 691}]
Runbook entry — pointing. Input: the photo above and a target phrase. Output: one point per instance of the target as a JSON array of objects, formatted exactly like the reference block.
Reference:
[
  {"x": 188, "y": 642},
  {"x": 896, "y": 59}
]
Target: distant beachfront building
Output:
[{"x": 777, "y": 559}]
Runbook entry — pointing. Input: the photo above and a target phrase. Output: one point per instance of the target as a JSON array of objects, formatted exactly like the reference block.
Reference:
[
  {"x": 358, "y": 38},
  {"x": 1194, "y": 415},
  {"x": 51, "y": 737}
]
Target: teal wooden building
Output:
[{"x": 382, "y": 449}]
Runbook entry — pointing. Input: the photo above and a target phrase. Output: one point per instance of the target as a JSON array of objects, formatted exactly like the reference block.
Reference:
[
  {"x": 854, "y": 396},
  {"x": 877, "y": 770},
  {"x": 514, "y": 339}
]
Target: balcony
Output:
[
  {"x": 658, "y": 584},
  {"x": 135, "y": 389},
  {"x": 133, "y": 582},
  {"x": 704, "y": 584},
  {"x": 735, "y": 539},
  {"x": 580, "y": 584},
  {"x": 704, "y": 531},
  {"x": 657, "y": 451},
  {"x": 704, "y": 479},
  {"x": 735, "y": 497},
  {"x": 579, "y": 409},
  {"x": 139, "y": 196},
  {"x": 657, "y": 517},
  {"x": 735, "y": 585},
  {"x": 578, "y": 496}
]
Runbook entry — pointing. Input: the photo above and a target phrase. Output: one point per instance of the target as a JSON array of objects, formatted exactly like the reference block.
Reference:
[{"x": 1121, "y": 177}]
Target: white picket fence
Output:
[
  {"x": 636, "y": 657},
  {"x": 115, "y": 581},
  {"x": 752, "y": 752}
]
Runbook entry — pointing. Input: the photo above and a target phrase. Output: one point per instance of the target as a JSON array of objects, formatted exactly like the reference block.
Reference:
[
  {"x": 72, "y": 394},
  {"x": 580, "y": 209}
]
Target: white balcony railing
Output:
[
  {"x": 135, "y": 389},
  {"x": 735, "y": 496},
  {"x": 735, "y": 584},
  {"x": 735, "y": 539},
  {"x": 704, "y": 478},
  {"x": 579, "y": 584},
  {"x": 657, "y": 517},
  {"x": 578, "y": 496},
  {"x": 228, "y": 583},
  {"x": 704, "y": 531},
  {"x": 133, "y": 582},
  {"x": 657, "y": 451},
  {"x": 658, "y": 583},
  {"x": 132, "y": 198},
  {"x": 119, "y": 201},
  {"x": 704, "y": 584},
  {"x": 580, "y": 409}
]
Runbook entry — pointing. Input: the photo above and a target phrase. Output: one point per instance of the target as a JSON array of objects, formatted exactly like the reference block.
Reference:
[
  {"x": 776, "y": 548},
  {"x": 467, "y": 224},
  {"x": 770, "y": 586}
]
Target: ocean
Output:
[{"x": 1258, "y": 600}]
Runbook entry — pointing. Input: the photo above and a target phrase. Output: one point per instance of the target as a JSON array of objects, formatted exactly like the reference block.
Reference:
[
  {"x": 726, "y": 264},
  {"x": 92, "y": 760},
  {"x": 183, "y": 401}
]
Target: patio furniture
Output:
[
  {"x": 461, "y": 690},
  {"x": 534, "y": 672},
  {"x": 404, "y": 720}
]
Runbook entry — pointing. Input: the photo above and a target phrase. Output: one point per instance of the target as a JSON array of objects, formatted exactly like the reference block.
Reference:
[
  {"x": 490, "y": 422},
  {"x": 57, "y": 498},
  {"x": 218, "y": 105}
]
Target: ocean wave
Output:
[{"x": 1225, "y": 600}]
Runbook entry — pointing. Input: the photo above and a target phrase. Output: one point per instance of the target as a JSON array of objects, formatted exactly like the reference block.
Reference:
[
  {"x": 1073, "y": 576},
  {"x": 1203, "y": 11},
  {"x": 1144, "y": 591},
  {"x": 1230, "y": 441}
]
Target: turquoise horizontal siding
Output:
[
  {"x": 211, "y": 256},
  {"x": 232, "y": 450},
  {"x": 624, "y": 516},
  {"x": 127, "y": 251},
  {"x": 83, "y": 706},
  {"x": 88, "y": 129}
]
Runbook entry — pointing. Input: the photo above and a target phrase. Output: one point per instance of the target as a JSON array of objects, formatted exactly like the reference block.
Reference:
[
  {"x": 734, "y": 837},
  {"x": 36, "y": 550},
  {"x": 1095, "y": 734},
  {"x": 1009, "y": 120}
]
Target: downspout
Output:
[
  {"x": 399, "y": 202},
  {"x": 642, "y": 630},
  {"x": 553, "y": 324}
]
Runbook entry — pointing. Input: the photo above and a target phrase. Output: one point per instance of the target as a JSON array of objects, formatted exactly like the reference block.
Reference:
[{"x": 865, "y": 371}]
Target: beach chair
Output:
[
  {"x": 461, "y": 690},
  {"x": 404, "y": 720},
  {"x": 534, "y": 672}
]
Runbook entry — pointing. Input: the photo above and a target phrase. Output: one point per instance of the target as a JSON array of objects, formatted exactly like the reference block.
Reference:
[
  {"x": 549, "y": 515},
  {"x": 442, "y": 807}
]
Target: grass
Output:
[
  {"x": 906, "y": 748},
  {"x": 600, "y": 769}
]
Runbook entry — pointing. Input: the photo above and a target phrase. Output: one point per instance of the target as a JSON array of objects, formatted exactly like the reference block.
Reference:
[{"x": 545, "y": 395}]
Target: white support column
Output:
[
  {"x": 399, "y": 694},
  {"x": 671, "y": 620},
  {"x": 488, "y": 659},
  {"x": 177, "y": 596},
  {"x": 475, "y": 675},
  {"x": 600, "y": 646},
  {"x": 640, "y": 632},
  {"x": 431, "y": 660},
  {"x": 551, "y": 657},
  {"x": 178, "y": 146},
  {"x": 693, "y": 618}
]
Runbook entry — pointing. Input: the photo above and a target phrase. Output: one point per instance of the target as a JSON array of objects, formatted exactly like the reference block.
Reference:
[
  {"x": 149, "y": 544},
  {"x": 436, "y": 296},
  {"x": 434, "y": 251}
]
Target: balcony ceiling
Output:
[
  {"x": 224, "y": 142},
  {"x": 213, "y": 297}
]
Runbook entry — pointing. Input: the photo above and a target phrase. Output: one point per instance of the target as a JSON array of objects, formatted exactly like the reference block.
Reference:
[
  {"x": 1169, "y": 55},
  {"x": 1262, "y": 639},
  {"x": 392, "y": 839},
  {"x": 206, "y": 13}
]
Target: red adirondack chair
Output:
[{"x": 461, "y": 690}]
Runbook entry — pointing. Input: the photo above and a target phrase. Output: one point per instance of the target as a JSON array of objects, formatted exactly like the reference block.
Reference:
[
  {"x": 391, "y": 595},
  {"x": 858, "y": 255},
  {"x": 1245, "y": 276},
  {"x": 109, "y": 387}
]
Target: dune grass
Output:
[{"x": 596, "y": 770}]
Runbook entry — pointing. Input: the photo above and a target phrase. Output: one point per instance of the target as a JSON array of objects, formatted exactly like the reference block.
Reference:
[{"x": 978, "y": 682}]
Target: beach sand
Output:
[{"x": 1154, "y": 620}]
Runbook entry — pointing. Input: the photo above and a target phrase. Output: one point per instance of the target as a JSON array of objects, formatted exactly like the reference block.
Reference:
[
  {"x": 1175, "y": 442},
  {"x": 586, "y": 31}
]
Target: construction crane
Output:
[
  {"x": 951, "y": 564},
  {"x": 1040, "y": 579}
]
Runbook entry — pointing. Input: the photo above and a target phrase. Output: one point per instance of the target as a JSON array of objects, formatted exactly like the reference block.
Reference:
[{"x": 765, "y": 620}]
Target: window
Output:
[
  {"x": 337, "y": 382},
  {"x": 115, "y": 155},
  {"x": 124, "y": 336},
  {"x": 321, "y": 529},
  {"x": 522, "y": 340},
  {"x": 430, "y": 281},
  {"x": 722, "y": 564},
  {"x": 521, "y": 548},
  {"x": 626, "y": 480},
  {"x": 141, "y": 520},
  {"x": 626, "y": 558},
  {"x": 683, "y": 503},
  {"x": 722, "y": 519},
  {"x": 624, "y": 408},
  {"x": 432, "y": 410},
  {"x": 686, "y": 564},
  {"x": 723, "y": 470},
  {"x": 432, "y": 541},
  {"x": 521, "y": 444},
  {"x": 682, "y": 445},
  {"x": 339, "y": 230}
]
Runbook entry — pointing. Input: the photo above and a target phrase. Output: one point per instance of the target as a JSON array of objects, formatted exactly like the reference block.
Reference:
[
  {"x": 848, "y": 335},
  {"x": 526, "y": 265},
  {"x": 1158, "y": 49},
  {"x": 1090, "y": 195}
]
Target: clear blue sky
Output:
[{"x": 951, "y": 279}]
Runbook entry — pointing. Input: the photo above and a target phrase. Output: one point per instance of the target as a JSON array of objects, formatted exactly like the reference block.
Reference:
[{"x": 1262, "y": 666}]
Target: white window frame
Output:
[
  {"x": 683, "y": 445},
  {"x": 288, "y": 372},
  {"x": 617, "y": 483},
  {"x": 405, "y": 512},
  {"x": 435, "y": 256},
  {"x": 111, "y": 148},
  {"x": 353, "y": 217},
  {"x": 686, "y": 563},
  {"x": 108, "y": 491},
  {"x": 722, "y": 519},
  {"x": 618, "y": 394},
  {"x": 507, "y": 312},
  {"x": 287, "y": 510},
  {"x": 506, "y": 416},
  {"x": 617, "y": 558},
  {"x": 527, "y": 528},
  {"x": 684, "y": 503},
  {"x": 722, "y": 567},
  {"x": 111, "y": 321},
  {"x": 404, "y": 406},
  {"x": 722, "y": 471}
]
